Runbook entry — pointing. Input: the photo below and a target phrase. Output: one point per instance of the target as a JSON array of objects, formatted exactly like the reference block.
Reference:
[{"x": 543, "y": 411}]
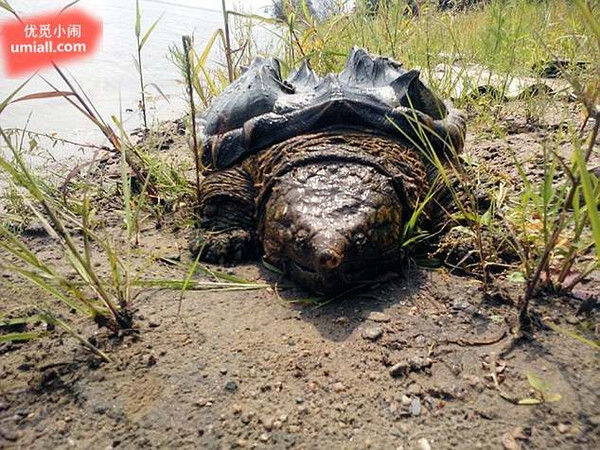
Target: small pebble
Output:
[
  {"x": 338, "y": 387},
  {"x": 377, "y": 316},
  {"x": 231, "y": 386},
  {"x": 372, "y": 333},
  {"x": 413, "y": 389},
  {"x": 399, "y": 369},
  {"x": 150, "y": 360},
  {"x": 268, "y": 423},
  {"x": 415, "y": 407},
  {"x": 509, "y": 442},
  {"x": 204, "y": 402},
  {"x": 424, "y": 444}
]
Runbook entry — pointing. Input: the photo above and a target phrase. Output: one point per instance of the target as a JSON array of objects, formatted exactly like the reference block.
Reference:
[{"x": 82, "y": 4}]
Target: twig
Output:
[
  {"x": 227, "y": 42},
  {"x": 57, "y": 139},
  {"x": 187, "y": 47}
]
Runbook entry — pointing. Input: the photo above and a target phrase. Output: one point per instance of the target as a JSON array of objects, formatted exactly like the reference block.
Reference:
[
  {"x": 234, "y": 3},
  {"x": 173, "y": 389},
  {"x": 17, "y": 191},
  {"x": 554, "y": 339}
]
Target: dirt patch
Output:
[{"x": 414, "y": 362}]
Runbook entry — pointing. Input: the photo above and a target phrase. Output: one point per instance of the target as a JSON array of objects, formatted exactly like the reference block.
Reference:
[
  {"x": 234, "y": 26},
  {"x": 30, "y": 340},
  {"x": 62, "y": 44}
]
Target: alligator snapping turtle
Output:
[{"x": 321, "y": 173}]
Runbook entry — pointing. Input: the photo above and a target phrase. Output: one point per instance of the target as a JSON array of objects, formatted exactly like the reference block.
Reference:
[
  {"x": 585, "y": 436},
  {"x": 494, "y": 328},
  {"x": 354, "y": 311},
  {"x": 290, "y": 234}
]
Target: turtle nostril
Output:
[{"x": 329, "y": 259}]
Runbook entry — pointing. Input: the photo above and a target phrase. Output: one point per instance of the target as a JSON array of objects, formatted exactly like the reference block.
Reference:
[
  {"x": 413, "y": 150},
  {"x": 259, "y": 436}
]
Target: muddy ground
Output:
[{"x": 418, "y": 361}]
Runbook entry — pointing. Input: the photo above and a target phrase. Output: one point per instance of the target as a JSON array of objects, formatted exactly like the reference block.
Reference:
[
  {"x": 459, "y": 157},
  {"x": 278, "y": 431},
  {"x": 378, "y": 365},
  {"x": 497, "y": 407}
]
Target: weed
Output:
[{"x": 141, "y": 39}]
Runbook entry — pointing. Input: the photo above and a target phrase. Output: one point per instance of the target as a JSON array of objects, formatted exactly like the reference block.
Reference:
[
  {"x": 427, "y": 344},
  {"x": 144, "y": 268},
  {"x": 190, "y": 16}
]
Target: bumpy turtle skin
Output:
[
  {"x": 227, "y": 227},
  {"x": 404, "y": 166},
  {"x": 332, "y": 224}
]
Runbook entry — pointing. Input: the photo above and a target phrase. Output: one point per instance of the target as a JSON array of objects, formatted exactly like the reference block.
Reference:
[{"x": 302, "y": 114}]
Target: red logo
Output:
[{"x": 38, "y": 41}]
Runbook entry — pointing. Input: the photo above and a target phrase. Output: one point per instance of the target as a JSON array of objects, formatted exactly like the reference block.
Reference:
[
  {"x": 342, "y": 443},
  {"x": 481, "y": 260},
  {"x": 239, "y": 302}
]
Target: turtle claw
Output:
[{"x": 222, "y": 247}]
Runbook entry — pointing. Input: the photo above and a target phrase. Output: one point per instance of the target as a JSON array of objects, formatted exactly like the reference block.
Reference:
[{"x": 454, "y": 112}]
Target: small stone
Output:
[
  {"x": 572, "y": 320},
  {"x": 268, "y": 423},
  {"x": 406, "y": 400},
  {"x": 264, "y": 437},
  {"x": 372, "y": 333},
  {"x": 202, "y": 402},
  {"x": 414, "y": 389},
  {"x": 509, "y": 442},
  {"x": 247, "y": 418},
  {"x": 223, "y": 371},
  {"x": 377, "y": 316},
  {"x": 236, "y": 409},
  {"x": 373, "y": 376},
  {"x": 299, "y": 400},
  {"x": 415, "y": 407},
  {"x": 521, "y": 433},
  {"x": 153, "y": 324},
  {"x": 150, "y": 360},
  {"x": 400, "y": 369},
  {"x": 231, "y": 387},
  {"x": 424, "y": 444},
  {"x": 563, "y": 428},
  {"x": 311, "y": 386},
  {"x": 338, "y": 387},
  {"x": 277, "y": 424},
  {"x": 61, "y": 426}
]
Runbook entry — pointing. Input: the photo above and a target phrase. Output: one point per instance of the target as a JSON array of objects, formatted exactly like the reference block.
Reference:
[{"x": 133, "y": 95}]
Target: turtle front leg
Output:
[{"x": 226, "y": 230}]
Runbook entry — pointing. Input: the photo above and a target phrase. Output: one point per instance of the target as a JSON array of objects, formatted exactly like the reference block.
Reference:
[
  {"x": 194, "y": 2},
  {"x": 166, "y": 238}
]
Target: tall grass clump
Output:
[{"x": 107, "y": 304}]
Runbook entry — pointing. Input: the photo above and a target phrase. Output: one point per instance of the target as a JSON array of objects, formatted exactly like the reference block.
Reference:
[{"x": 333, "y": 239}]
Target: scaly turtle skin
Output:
[{"x": 320, "y": 175}]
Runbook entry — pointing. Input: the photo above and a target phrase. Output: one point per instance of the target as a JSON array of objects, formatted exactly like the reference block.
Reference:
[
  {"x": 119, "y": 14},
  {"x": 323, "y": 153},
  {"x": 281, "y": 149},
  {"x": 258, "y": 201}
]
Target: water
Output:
[{"x": 109, "y": 77}]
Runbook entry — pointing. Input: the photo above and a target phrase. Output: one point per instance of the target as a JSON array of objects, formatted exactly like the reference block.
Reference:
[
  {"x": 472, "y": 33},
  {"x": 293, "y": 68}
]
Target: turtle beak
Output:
[
  {"x": 323, "y": 264},
  {"x": 328, "y": 249}
]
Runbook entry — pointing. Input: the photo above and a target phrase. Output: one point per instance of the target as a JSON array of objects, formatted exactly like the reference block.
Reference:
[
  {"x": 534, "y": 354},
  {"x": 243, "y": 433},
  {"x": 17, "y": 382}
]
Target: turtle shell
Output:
[{"x": 373, "y": 93}]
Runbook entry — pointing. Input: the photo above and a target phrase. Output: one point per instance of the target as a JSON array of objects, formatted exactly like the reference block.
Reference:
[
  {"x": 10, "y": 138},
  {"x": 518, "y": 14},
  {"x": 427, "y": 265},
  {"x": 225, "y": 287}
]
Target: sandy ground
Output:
[{"x": 416, "y": 362}]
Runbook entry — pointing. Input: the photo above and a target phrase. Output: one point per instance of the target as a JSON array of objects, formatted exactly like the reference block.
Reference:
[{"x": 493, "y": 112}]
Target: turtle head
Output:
[{"x": 332, "y": 225}]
